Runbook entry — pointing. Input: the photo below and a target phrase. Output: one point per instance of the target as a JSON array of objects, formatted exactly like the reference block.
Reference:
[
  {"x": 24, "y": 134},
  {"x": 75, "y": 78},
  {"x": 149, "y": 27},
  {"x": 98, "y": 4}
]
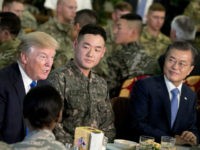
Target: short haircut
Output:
[
  {"x": 37, "y": 39},
  {"x": 42, "y": 106},
  {"x": 137, "y": 19},
  {"x": 183, "y": 46},
  {"x": 156, "y": 7},
  {"x": 85, "y": 16},
  {"x": 132, "y": 17},
  {"x": 123, "y": 6},
  {"x": 184, "y": 27},
  {"x": 11, "y": 22},
  {"x": 8, "y": 2},
  {"x": 92, "y": 29}
]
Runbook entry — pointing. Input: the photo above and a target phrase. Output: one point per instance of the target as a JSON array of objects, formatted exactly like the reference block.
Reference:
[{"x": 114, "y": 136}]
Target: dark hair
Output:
[
  {"x": 131, "y": 17},
  {"x": 11, "y": 22},
  {"x": 92, "y": 29},
  {"x": 182, "y": 46},
  {"x": 123, "y": 6},
  {"x": 85, "y": 16},
  {"x": 42, "y": 106}
]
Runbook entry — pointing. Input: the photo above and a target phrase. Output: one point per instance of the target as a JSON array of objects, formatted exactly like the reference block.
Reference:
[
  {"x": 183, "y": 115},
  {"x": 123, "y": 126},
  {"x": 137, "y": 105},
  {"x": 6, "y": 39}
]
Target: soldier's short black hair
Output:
[
  {"x": 11, "y": 22},
  {"x": 92, "y": 29},
  {"x": 85, "y": 16},
  {"x": 42, "y": 106},
  {"x": 131, "y": 16}
]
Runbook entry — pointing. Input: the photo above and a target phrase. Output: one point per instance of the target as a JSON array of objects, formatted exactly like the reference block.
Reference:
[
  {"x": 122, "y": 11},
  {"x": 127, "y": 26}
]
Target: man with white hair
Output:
[{"x": 183, "y": 28}]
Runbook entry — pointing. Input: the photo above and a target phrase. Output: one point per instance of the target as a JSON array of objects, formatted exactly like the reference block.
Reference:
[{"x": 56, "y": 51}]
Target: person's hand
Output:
[{"x": 186, "y": 137}]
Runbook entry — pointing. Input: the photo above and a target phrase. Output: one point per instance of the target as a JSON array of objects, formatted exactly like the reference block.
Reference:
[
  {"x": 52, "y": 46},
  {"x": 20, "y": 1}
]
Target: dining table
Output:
[{"x": 113, "y": 146}]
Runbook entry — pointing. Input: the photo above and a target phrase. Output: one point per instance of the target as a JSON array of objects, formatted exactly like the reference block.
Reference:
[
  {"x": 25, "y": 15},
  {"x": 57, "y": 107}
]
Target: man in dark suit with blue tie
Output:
[
  {"x": 36, "y": 53},
  {"x": 156, "y": 111}
]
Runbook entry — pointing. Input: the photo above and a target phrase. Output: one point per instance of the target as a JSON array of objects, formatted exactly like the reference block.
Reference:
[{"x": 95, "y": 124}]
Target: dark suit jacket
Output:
[
  {"x": 12, "y": 92},
  {"x": 151, "y": 109}
]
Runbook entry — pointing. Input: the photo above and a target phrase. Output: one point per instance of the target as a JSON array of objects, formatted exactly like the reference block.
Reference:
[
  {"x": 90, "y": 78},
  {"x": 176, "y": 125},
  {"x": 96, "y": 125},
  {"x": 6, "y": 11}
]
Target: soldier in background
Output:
[
  {"x": 193, "y": 11},
  {"x": 152, "y": 39},
  {"x": 85, "y": 94},
  {"x": 28, "y": 21},
  {"x": 60, "y": 28},
  {"x": 131, "y": 59},
  {"x": 9, "y": 26}
]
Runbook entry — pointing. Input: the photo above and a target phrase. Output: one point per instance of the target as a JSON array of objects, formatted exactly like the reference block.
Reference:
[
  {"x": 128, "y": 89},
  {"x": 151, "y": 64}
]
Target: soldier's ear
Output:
[{"x": 75, "y": 43}]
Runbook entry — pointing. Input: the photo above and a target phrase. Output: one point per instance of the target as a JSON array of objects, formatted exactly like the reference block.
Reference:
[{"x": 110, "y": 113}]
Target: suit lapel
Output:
[
  {"x": 18, "y": 85},
  {"x": 164, "y": 96}
]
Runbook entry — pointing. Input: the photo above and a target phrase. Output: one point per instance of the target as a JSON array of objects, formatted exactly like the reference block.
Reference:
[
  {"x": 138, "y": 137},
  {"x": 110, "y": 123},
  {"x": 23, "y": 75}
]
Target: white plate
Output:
[
  {"x": 125, "y": 144},
  {"x": 112, "y": 146}
]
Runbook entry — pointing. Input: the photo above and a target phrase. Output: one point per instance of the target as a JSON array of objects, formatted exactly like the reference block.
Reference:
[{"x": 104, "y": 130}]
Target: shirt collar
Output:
[
  {"x": 171, "y": 86},
  {"x": 26, "y": 79}
]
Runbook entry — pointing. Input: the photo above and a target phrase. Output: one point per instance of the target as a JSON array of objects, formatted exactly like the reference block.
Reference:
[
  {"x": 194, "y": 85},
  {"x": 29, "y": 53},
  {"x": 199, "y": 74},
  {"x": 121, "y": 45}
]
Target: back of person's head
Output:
[
  {"x": 42, "y": 106},
  {"x": 10, "y": 22},
  {"x": 92, "y": 29},
  {"x": 85, "y": 16},
  {"x": 133, "y": 19},
  {"x": 182, "y": 45},
  {"x": 183, "y": 28},
  {"x": 37, "y": 39},
  {"x": 123, "y": 6},
  {"x": 156, "y": 7}
]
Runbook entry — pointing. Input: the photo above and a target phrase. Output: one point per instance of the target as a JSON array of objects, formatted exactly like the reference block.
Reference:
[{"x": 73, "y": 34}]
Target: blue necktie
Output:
[
  {"x": 141, "y": 8},
  {"x": 33, "y": 84},
  {"x": 174, "y": 105}
]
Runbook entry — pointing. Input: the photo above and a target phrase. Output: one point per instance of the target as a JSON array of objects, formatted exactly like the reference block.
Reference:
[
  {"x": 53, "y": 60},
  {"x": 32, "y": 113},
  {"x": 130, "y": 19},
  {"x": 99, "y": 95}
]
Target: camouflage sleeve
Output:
[
  {"x": 57, "y": 80},
  {"x": 61, "y": 135},
  {"x": 107, "y": 124}
]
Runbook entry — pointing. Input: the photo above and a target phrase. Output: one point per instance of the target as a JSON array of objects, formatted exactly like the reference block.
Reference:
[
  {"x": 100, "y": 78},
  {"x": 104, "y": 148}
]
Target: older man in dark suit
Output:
[
  {"x": 155, "y": 109},
  {"x": 37, "y": 50}
]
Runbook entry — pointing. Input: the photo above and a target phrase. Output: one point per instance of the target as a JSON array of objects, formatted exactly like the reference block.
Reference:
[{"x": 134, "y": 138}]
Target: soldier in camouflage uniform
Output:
[
  {"x": 60, "y": 28},
  {"x": 9, "y": 27},
  {"x": 131, "y": 60},
  {"x": 28, "y": 21},
  {"x": 152, "y": 39},
  {"x": 85, "y": 94},
  {"x": 42, "y": 109},
  {"x": 193, "y": 11}
]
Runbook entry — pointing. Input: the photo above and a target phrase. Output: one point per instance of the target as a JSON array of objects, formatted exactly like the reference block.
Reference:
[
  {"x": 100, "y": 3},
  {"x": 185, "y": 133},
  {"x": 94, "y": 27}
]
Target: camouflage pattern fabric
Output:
[
  {"x": 62, "y": 33},
  {"x": 154, "y": 46},
  {"x": 39, "y": 140},
  {"x": 129, "y": 61},
  {"x": 5, "y": 146},
  {"x": 193, "y": 11},
  {"x": 86, "y": 102},
  {"x": 28, "y": 22},
  {"x": 8, "y": 52}
]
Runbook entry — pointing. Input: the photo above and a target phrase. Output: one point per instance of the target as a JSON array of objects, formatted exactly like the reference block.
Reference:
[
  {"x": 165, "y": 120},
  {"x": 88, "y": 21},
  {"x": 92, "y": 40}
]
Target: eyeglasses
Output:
[{"x": 181, "y": 64}]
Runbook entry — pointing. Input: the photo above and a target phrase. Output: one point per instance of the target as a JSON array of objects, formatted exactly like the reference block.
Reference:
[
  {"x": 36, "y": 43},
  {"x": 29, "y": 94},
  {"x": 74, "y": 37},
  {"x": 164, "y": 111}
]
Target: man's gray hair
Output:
[{"x": 184, "y": 27}]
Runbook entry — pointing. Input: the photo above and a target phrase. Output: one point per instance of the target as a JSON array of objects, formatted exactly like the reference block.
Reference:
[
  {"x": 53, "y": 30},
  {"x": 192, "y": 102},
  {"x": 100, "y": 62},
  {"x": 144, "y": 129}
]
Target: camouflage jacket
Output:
[
  {"x": 154, "y": 46},
  {"x": 39, "y": 140},
  {"x": 5, "y": 146},
  {"x": 62, "y": 33},
  {"x": 8, "y": 52},
  {"x": 193, "y": 11},
  {"x": 129, "y": 61},
  {"x": 86, "y": 102}
]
